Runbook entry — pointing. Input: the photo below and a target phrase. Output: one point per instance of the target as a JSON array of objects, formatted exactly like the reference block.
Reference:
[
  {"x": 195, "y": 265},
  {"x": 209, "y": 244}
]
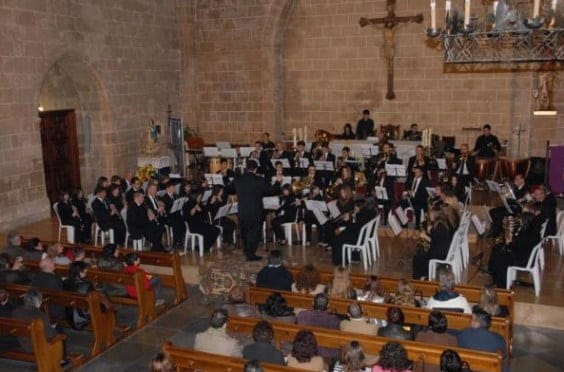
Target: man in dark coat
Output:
[
  {"x": 140, "y": 224},
  {"x": 275, "y": 275},
  {"x": 107, "y": 218}
]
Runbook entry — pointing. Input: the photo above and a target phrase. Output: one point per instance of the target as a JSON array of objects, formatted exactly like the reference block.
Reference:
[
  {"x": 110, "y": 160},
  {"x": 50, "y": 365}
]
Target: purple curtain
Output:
[{"x": 556, "y": 169}]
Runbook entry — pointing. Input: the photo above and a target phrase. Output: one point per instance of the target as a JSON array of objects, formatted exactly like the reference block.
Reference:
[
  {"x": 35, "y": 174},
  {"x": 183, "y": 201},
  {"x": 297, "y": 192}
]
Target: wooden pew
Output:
[
  {"x": 47, "y": 355},
  {"x": 192, "y": 360},
  {"x": 145, "y": 300},
  {"x": 102, "y": 324},
  {"x": 412, "y": 315},
  {"x": 172, "y": 261},
  {"x": 417, "y": 351}
]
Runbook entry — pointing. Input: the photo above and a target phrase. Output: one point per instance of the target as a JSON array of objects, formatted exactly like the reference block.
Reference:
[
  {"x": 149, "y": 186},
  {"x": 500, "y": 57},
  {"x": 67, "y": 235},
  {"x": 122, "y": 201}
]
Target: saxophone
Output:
[{"x": 511, "y": 226}]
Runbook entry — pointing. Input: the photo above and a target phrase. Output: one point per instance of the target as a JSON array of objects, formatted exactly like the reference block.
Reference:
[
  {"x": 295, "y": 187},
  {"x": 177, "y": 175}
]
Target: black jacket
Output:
[
  {"x": 250, "y": 190},
  {"x": 275, "y": 277},
  {"x": 264, "y": 352},
  {"x": 395, "y": 331},
  {"x": 137, "y": 219},
  {"x": 102, "y": 214}
]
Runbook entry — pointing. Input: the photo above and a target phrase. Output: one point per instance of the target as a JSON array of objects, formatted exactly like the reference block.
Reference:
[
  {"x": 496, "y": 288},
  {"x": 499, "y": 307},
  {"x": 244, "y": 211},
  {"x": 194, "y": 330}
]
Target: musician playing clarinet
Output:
[
  {"x": 175, "y": 219},
  {"x": 143, "y": 222},
  {"x": 300, "y": 154}
]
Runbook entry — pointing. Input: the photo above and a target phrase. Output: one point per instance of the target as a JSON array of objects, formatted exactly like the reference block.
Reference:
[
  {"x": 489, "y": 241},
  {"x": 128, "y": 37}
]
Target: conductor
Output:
[{"x": 250, "y": 190}]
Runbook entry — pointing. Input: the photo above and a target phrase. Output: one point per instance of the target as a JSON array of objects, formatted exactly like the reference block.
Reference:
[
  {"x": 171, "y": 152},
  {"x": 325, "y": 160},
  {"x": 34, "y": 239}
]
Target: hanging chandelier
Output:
[{"x": 507, "y": 31}]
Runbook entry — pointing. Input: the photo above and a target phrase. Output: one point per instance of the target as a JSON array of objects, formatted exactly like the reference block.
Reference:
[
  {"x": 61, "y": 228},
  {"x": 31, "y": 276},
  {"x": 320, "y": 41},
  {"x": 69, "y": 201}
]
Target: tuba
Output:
[
  {"x": 323, "y": 136},
  {"x": 300, "y": 185}
]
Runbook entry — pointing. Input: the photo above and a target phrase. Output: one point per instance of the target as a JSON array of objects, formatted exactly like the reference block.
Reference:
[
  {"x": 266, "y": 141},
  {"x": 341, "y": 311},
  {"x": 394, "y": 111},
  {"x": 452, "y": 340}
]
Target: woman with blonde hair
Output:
[
  {"x": 308, "y": 281},
  {"x": 404, "y": 294},
  {"x": 488, "y": 302},
  {"x": 341, "y": 286}
]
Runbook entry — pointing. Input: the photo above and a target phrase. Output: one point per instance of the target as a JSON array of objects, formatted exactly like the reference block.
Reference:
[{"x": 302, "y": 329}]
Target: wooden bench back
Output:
[
  {"x": 193, "y": 360},
  {"x": 102, "y": 323},
  {"x": 417, "y": 351},
  {"x": 46, "y": 354},
  {"x": 172, "y": 261},
  {"x": 412, "y": 315},
  {"x": 145, "y": 297}
]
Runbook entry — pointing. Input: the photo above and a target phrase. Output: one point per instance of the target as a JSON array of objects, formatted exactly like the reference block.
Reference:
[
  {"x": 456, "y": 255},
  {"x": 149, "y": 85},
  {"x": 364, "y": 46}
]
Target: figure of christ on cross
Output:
[{"x": 390, "y": 22}]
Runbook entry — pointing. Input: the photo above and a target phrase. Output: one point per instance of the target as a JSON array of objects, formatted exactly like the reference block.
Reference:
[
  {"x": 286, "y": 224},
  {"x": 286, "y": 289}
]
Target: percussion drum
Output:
[
  {"x": 510, "y": 167},
  {"x": 485, "y": 168},
  {"x": 214, "y": 165}
]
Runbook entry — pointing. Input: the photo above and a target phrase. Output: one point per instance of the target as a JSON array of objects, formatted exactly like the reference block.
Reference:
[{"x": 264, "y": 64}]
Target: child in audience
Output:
[{"x": 132, "y": 261}]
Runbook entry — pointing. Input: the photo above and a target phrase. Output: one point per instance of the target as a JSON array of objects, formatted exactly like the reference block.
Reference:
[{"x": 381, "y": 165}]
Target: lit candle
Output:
[
  {"x": 294, "y": 136},
  {"x": 495, "y": 7},
  {"x": 467, "y": 12},
  {"x": 305, "y": 134},
  {"x": 300, "y": 134},
  {"x": 433, "y": 14},
  {"x": 536, "y": 7},
  {"x": 554, "y": 5},
  {"x": 447, "y": 6}
]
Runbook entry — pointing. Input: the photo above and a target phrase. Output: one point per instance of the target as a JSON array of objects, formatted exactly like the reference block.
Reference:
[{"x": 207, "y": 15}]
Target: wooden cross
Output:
[{"x": 390, "y": 22}]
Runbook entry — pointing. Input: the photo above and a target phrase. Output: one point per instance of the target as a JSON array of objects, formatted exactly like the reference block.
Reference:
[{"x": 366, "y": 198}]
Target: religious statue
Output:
[
  {"x": 545, "y": 91},
  {"x": 390, "y": 22},
  {"x": 151, "y": 145}
]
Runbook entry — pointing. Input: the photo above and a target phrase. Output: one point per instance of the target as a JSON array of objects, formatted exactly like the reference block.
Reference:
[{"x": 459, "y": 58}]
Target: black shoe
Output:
[{"x": 254, "y": 258}]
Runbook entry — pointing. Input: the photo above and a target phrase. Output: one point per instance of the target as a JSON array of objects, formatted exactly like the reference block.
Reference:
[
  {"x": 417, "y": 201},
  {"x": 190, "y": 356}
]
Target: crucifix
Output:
[{"x": 390, "y": 23}]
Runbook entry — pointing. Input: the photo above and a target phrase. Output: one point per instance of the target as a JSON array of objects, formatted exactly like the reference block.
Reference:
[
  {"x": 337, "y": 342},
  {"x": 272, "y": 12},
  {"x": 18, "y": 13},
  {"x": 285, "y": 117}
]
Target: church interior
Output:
[{"x": 148, "y": 89}]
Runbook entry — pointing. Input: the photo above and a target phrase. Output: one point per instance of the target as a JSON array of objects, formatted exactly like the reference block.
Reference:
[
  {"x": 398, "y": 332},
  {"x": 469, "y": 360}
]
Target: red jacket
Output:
[{"x": 131, "y": 290}]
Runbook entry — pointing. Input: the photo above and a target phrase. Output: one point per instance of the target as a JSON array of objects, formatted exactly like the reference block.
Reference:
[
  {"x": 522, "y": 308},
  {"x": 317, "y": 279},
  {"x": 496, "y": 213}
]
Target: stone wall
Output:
[{"x": 118, "y": 61}]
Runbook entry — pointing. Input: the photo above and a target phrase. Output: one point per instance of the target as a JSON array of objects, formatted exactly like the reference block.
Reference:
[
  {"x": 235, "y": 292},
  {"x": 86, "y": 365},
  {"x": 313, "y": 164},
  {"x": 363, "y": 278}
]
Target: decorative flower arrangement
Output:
[{"x": 146, "y": 173}]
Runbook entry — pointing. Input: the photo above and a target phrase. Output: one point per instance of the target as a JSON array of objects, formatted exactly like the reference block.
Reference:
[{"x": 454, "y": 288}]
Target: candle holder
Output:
[
  {"x": 434, "y": 32},
  {"x": 534, "y": 23}
]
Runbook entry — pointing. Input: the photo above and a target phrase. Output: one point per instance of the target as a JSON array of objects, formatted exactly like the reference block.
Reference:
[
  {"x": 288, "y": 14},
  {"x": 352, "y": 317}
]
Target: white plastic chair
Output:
[
  {"x": 288, "y": 230},
  {"x": 304, "y": 235},
  {"x": 193, "y": 237},
  {"x": 137, "y": 243},
  {"x": 558, "y": 239},
  {"x": 464, "y": 244},
  {"x": 453, "y": 259},
  {"x": 361, "y": 245},
  {"x": 102, "y": 233},
  {"x": 373, "y": 242},
  {"x": 68, "y": 228},
  {"x": 533, "y": 267},
  {"x": 541, "y": 250}
]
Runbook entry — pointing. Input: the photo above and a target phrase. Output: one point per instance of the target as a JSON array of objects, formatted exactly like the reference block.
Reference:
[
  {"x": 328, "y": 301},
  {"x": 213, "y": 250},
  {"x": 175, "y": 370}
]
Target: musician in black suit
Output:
[
  {"x": 465, "y": 166},
  {"x": 545, "y": 202},
  {"x": 69, "y": 215},
  {"x": 216, "y": 201},
  {"x": 382, "y": 180},
  {"x": 326, "y": 155},
  {"x": 417, "y": 194},
  {"x": 135, "y": 187},
  {"x": 250, "y": 190},
  {"x": 300, "y": 154},
  {"x": 418, "y": 160},
  {"x": 108, "y": 218},
  {"x": 387, "y": 155},
  {"x": 142, "y": 222},
  {"x": 266, "y": 142},
  {"x": 175, "y": 219},
  {"x": 152, "y": 202},
  {"x": 365, "y": 126},
  {"x": 438, "y": 238},
  {"x": 487, "y": 145},
  {"x": 227, "y": 173},
  {"x": 520, "y": 190},
  {"x": 285, "y": 213},
  {"x": 412, "y": 134},
  {"x": 198, "y": 221},
  {"x": 306, "y": 215}
]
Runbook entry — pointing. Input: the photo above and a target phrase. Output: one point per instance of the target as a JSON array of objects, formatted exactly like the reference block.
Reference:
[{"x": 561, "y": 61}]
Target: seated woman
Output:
[
  {"x": 372, "y": 291},
  {"x": 348, "y": 132},
  {"x": 363, "y": 212},
  {"x": 447, "y": 297},
  {"x": 404, "y": 295},
  {"x": 80, "y": 202},
  {"x": 216, "y": 201},
  {"x": 308, "y": 217},
  {"x": 305, "y": 353},
  {"x": 341, "y": 286},
  {"x": 345, "y": 177},
  {"x": 285, "y": 213},
  {"x": 393, "y": 358},
  {"x": 69, "y": 215},
  {"x": 308, "y": 281},
  {"x": 394, "y": 328},
  {"x": 488, "y": 302},
  {"x": 197, "y": 221},
  {"x": 352, "y": 359},
  {"x": 115, "y": 197},
  {"x": 345, "y": 203},
  {"x": 276, "y": 308},
  {"x": 434, "y": 244}
]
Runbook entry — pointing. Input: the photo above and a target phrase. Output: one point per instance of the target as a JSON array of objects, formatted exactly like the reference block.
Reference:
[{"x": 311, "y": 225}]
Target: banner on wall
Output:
[{"x": 556, "y": 169}]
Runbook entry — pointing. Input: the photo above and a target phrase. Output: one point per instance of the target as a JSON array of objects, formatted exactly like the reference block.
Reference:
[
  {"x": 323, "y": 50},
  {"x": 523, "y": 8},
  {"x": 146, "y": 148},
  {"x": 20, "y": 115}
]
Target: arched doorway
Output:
[{"x": 71, "y": 85}]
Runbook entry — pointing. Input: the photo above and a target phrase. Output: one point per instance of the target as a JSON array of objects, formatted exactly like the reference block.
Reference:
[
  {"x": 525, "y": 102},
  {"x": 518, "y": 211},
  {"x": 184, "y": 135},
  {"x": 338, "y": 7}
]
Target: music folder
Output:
[
  {"x": 394, "y": 224},
  {"x": 395, "y": 170},
  {"x": 222, "y": 211},
  {"x": 431, "y": 191},
  {"x": 228, "y": 153},
  {"x": 333, "y": 209},
  {"x": 478, "y": 225},
  {"x": 214, "y": 179},
  {"x": 206, "y": 196},
  {"x": 381, "y": 192},
  {"x": 177, "y": 205},
  {"x": 401, "y": 216},
  {"x": 245, "y": 152},
  {"x": 234, "y": 208},
  {"x": 316, "y": 204},
  {"x": 284, "y": 161},
  {"x": 441, "y": 163},
  {"x": 493, "y": 186},
  {"x": 324, "y": 165},
  {"x": 271, "y": 202},
  {"x": 286, "y": 180},
  {"x": 211, "y": 152}
]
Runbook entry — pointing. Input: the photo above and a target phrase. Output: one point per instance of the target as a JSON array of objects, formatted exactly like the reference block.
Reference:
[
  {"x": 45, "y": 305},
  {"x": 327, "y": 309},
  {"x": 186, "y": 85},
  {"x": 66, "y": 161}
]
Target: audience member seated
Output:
[
  {"x": 352, "y": 359},
  {"x": 76, "y": 282},
  {"x": 393, "y": 358},
  {"x": 404, "y": 295},
  {"x": 33, "y": 250},
  {"x": 47, "y": 279},
  {"x": 162, "y": 363},
  {"x": 215, "y": 339},
  {"x": 30, "y": 310},
  {"x": 275, "y": 275},
  {"x": 372, "y": 291},
  {"x": 56, "y": 253},
  {"x": 276, "y": 308},
  {"x": 252, "y": 366},
  {"x": 357, "y": 323},
  {"x": 237, "y": 305},
  {"x": 7, "y": 341},
  {"x": 110, "y": 258},
  {"x": 488, "y": 302},
  {"x": 478, "y": 336},
  {"x": 13, "y": 246},
  {"x": 132, "y": 262},
  {"x": 341, "y": 286},
  {"x": 319, "y": 317},
  {"x": 305, "y": 353},
  {"x": 262, "y": 349},
  {"x": 447, "y": 297},
  {"x": 13, "y": 274},
  {"x": 308, "y": 281},
  {"x": 394, "y": 328},
  {"x": 451, "y": 362},
  {"x": 436, "y": 331}
]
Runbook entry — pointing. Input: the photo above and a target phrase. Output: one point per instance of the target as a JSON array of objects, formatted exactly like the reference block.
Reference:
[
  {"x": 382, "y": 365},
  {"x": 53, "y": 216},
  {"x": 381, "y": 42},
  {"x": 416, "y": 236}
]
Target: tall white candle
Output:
[
  {"x": 300, "y": 134},
  {"x": 447, "y": 6},
  {"x": 433, "y": 14},
  {"x": 495, "y": 6},
  {"x": 305, "y": 134},
  {"x": 536, "y": 8},
  {"x": 294, "y": 136},
  {"x": 554, "y": 5},
  {"x": 467, "y": 12}
]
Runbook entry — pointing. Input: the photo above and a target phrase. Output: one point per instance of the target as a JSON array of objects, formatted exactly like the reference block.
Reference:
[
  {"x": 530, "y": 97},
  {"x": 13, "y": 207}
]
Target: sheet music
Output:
[
  {"x": 214, "y": 179},
  {"x": 381, "y": 193},
  {"x": 319, "y": 216},
  {"x": 372, "y": 139},
  {"x": 324, "y": 165},
  {"x": 271, "y": 202},
  {"x": 441, "y": 163},
  {"x": 394, "y": 224},
  {"x": 395, "y": 170},
  {"x": 333, "y": 209},
  {"x": 175, "y": 175},
  {"x": 304, "y": 163},
  {"x": 493, "y": 186},
  {"x": 401, "y": 215},
  {"x": 223, "y": 145},
  {"x": 316, "y": 204},
  {"x": 431, "y": 191},
  {"x": 245, "y": 152},
  {"x": 284, "y": 161},
  {"x": 234, "y": 208},
  {"x": 478, "y": 225},
  {"x": 510, "y": 190},
  {"x": 206, "y": 196},
  {"x": 286, "y": 180},
  {"x": 222, "y": 211},
  {"x": 228, "y": 153},
  {"x": 211, "y": 152},
  {"x": 178, "y": 204}
]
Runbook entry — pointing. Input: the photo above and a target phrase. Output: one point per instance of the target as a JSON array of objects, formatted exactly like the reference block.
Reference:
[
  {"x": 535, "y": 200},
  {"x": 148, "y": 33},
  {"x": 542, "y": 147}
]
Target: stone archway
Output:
[{"x": 72, "y": 83}]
